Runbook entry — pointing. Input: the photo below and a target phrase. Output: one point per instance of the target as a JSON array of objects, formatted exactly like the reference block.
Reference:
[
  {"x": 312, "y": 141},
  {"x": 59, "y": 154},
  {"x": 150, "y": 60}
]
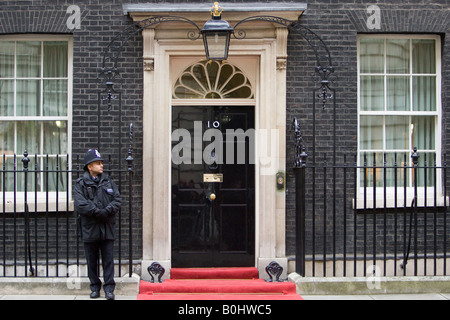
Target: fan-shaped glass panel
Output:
[{"x": 213, "y": 80}]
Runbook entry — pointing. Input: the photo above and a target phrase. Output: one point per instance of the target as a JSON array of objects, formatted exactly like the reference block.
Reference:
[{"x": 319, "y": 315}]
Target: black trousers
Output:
[{"x": 92, "y": 250}]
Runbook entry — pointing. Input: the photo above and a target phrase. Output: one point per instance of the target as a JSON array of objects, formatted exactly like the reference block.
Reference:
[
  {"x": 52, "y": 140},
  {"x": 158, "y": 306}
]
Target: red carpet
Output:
[{"x": 217, "y": 284}]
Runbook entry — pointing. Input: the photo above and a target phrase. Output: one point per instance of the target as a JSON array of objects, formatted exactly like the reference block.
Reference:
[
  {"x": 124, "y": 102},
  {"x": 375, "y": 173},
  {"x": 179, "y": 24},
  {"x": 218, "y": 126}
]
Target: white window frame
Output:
[
  {"x": 14, "y": 201},
  {"x": 390, "y": 191}
]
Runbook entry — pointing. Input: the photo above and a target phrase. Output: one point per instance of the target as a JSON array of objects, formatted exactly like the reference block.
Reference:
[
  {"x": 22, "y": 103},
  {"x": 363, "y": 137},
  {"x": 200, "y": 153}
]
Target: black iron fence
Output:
[
  {"x": 353, "y": 218},
  {"x": 382, "y": 213},
  {"x": 38, "y": 225}
]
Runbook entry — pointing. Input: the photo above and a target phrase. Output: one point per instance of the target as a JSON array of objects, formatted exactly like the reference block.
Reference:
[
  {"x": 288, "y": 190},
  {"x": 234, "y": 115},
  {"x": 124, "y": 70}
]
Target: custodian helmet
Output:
[{"x": 91, "y": 156}]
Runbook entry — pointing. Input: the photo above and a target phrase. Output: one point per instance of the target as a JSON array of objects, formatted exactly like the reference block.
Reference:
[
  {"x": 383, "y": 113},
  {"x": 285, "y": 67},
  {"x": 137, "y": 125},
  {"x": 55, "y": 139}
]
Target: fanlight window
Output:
[{"x": 213, "y": 80}]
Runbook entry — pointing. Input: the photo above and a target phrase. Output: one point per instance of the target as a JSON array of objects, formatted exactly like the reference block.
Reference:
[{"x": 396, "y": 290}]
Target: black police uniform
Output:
[{"x": 97, "y": 201}]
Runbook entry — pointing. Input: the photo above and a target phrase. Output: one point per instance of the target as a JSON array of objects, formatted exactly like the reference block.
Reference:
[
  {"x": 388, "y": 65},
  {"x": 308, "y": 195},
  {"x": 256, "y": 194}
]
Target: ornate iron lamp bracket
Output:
[
  {"x": 109, "y": 71},
  {"x": 324, "y": 66}
]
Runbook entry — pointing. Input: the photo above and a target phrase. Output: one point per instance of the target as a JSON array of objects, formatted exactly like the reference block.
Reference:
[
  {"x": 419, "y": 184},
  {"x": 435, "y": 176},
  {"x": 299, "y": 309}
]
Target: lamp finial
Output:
[{"x": 216, "y": 10}]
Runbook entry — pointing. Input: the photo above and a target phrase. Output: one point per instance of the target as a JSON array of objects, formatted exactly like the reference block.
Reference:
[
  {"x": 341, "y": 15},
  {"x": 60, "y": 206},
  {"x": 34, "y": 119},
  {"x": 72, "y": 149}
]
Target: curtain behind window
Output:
[
  {"x": 34, "y": 84},
  {"x": 397, "y": 78}
]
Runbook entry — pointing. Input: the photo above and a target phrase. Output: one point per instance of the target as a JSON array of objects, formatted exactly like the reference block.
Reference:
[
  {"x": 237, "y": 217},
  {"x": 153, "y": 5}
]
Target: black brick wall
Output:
[
  {"x": 100, "y": 22},
  {"x": 338, "y": 22}
]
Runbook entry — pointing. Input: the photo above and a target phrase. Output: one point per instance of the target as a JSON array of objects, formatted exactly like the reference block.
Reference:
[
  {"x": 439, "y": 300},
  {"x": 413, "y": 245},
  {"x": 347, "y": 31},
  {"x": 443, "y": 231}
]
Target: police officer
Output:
[{"x": 97, "y": 201}]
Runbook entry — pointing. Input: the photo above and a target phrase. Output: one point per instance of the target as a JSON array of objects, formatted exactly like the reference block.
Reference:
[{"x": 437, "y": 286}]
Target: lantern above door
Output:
[{"x": 216, "y": 35}]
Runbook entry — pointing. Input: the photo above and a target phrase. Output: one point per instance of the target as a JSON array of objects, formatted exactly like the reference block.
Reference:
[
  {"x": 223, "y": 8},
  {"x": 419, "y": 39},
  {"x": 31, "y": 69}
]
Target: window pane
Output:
[
  {"x": 29, "y": 59},
  {"x": 398, "y": 92},
  {"x": 55, "y": 59},
  {"x": 424, "y": 56},
  {"x": 396, "y": 163},
  {"x": 214, "y": 80},
  {"x": 426, "y": 160},
  {"x": 372, "y": 55},
  {"x": 398, "y": 56},
  {"x": 186, "y": 93},
  {"x": 244, "y": 92},
  {"x": 226, "y": 72},
  {"x": 6, "y": 137},
  {"x": 397, "y": 166},
  {"x": 8, "y": 186},
  {"x": 19, "y": 180},
  {"x": 7, "y": 49},
  {"x": 56, "y": 179},
  {"x": 55, "y": 97},
  {"x": 408, "y": 84},
  {"x": 371, "y": 177},
  {"x": 371, "y": 133},
  {"x": 31, "y": 185},
  {"x": 424, "y": 133},
  {"x": 6, "y": 98},
  {"x": 28, "y": 137},
  {"x": 397, "y": 133},
  {"x": 372, "y": 93},
  {"x": 217, "y": 44},
  {"x": 212, "y": 73},
  {"x": 28, "y": 98},
  {"x": 55, "y": 137},
  {"x": 235, "y": 82},
  {"x": 424, "y": 94}
]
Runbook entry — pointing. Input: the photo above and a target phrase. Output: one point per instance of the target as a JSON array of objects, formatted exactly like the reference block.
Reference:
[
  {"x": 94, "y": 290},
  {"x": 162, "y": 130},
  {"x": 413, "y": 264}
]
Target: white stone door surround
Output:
[{"x": 265, "y": 47}]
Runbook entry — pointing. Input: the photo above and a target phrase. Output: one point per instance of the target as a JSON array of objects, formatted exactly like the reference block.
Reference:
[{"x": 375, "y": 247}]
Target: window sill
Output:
[
  {"x": 390, "y": 202},
  {"x": 45, "y": 203}
]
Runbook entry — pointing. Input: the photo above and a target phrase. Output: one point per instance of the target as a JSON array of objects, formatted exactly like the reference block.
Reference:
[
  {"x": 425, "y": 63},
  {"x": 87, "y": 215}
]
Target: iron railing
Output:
[
  {"x": 353, "y": 218},
  {"x": 359, "y": 218},
  {"x": 38, "y": 225}
]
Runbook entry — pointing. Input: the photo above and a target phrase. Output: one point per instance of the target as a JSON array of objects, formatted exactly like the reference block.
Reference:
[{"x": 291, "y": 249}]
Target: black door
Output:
[{"x": 213, "y": 187}]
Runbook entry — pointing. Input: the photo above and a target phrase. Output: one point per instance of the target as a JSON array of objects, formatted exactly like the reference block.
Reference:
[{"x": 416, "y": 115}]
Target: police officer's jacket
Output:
[{"x": 90, "y": 198}]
